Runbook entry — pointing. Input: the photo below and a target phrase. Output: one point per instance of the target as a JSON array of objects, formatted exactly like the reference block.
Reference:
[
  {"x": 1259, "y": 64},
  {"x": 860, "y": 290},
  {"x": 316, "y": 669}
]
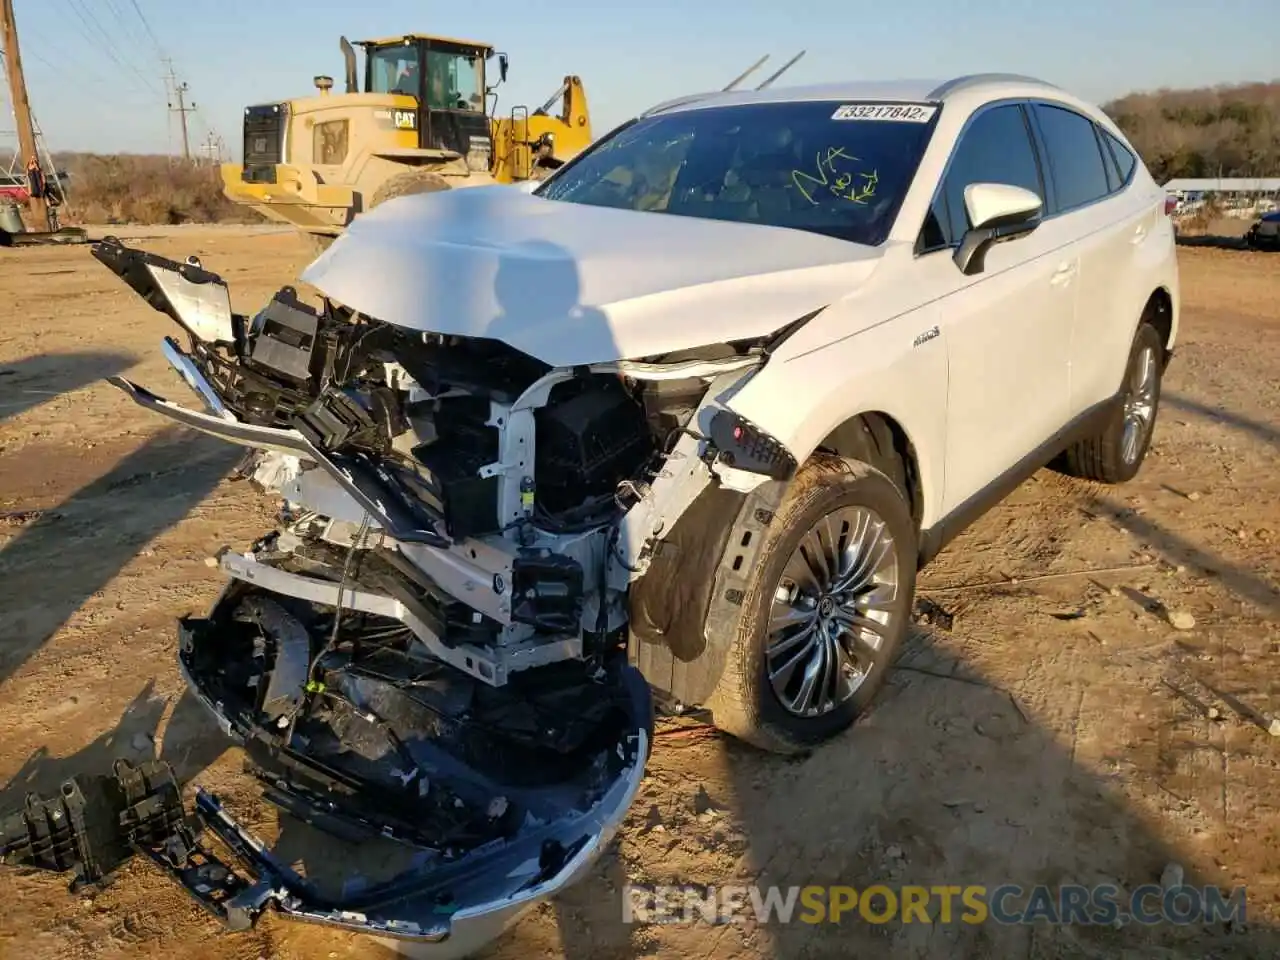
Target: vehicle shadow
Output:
[
  {"x": 83, "y": 542},
  {"x": 132, "y": 738},
  {"x": 1212, "y": 240},
  {"x": 1243, "y": 582},
  {"x": 1268, "y": 433},
  {"x": 949, "y": 782},
  {"x": 35, "y": 380}
]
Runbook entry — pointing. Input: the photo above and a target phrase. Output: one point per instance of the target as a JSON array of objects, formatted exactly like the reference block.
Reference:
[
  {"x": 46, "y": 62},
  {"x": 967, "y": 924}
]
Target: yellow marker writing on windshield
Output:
[{"x": 840, "y": 184}]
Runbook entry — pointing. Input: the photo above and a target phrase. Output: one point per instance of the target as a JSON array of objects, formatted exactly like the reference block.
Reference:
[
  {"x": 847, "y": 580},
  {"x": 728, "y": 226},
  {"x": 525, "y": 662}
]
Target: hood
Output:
[{"x": 573, "y": 284}]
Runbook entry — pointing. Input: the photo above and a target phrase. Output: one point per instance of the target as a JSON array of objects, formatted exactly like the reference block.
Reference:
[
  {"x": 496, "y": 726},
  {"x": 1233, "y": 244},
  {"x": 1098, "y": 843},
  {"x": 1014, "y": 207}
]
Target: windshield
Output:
[
  {"x": 394, "y": 69},
  {"x": 834, "y": 168},
  {"x": 454, "y": 81}
]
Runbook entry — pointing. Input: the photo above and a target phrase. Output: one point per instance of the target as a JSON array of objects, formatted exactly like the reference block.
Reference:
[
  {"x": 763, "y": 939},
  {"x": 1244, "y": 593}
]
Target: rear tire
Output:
[
  {"x": 790, "y": 688},
  {"x": 1115, "y": 454},
  {"x": 408, "y": 183}
]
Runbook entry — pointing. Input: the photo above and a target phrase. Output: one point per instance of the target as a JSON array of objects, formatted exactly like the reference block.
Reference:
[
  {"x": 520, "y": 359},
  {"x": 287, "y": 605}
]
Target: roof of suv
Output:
[{"x": 982, "y": 86}]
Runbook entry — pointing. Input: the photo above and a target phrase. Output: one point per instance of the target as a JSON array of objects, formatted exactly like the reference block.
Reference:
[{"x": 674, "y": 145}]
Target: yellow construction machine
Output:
[{"x": 423, "y": 119}]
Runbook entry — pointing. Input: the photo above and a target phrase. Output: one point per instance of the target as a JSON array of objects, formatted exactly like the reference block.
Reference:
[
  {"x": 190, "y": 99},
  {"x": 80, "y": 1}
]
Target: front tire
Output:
[
  {"x": 826, "y": 610},
  {"x": 1115, "y": 454}
]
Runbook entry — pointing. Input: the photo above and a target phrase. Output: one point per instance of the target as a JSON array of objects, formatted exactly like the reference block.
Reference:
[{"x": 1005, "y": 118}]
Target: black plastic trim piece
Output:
[{"x": 933, "y": 540}]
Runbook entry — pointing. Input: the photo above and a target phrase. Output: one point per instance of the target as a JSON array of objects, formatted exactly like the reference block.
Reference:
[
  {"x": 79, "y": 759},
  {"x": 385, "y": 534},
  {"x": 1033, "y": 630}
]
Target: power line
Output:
[
  {"x": 90, "y": 22},
  {"x": 128, "y": 27},
  {"x": 151, "y": 33}
]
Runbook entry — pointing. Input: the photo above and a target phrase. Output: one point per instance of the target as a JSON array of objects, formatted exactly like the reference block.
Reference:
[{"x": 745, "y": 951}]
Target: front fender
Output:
[{"x": 897, "y": 368}]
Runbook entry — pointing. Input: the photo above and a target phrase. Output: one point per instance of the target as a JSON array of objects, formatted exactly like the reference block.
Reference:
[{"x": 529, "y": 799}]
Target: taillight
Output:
[{"x": 1170, "y": 205}]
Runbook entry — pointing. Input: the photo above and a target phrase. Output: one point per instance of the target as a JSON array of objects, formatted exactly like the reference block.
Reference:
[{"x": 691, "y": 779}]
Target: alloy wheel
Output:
[
  {"x": 1139, "y": 404},
  {"x": 833, "y": 612}
]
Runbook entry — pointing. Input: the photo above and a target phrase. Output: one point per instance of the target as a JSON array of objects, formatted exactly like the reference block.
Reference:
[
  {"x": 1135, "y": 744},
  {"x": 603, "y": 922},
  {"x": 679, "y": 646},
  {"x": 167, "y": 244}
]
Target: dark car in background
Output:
[{"x": 1265, "y": 232}]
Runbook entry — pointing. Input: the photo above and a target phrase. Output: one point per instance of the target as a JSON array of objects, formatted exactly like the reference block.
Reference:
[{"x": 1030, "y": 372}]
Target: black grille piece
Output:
[
  {"x": 264, "y": 128},
  {"x": 591, "y": 436}
]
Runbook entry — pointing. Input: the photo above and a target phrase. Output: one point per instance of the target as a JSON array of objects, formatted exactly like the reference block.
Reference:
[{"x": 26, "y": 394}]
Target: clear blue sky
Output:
[{"x": 94, "y": 73}]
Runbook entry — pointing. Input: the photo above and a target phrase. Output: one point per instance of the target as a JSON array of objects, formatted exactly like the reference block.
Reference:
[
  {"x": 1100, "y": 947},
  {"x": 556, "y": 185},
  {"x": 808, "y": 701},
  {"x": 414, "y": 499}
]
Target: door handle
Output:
[
  {"x": 1063, "y": 274},
  {"x": 1139, "y": 234}
]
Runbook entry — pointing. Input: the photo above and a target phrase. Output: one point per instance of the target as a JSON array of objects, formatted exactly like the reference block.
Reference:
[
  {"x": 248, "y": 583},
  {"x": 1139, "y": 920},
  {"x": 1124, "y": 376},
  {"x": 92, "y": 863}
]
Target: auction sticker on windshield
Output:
[{"x": 896, "y": 112}]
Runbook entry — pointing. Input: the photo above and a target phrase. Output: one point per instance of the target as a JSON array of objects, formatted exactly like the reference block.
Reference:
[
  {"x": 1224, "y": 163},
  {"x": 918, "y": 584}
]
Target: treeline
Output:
[
  {"x": 140, "y": 188},
  {"x": 1229, "y": 131}
]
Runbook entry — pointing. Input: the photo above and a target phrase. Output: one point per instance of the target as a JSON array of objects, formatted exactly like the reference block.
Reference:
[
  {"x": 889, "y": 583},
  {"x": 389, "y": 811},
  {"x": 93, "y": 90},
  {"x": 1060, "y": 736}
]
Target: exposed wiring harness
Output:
[{"x": 313, "y": 686}]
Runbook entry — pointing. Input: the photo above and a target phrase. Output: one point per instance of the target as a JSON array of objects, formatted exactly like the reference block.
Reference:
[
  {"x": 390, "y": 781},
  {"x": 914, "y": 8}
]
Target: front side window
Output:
[
  {"x": 454, "y": 81},
  {"x": 394, "y": 69},
  {"x": 1075, "y": 156},
  {"x": 994, "y": 148},
  {"x": 838, "y": 169}
]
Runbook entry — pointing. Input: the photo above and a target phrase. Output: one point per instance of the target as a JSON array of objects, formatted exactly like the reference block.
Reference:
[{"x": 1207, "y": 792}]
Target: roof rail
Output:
[
  {"x": 974, "y": 79},
  {"x": 688, "y": 98}
]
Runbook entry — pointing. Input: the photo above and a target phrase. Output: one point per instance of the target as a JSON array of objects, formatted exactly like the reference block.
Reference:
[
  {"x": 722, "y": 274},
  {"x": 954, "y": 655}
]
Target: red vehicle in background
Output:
[{"x": 13, "y": 186}]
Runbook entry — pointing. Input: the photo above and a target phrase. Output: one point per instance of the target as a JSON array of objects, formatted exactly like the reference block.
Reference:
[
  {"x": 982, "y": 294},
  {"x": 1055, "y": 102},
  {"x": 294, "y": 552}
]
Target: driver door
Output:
[{"x": 1008, "y": 327}]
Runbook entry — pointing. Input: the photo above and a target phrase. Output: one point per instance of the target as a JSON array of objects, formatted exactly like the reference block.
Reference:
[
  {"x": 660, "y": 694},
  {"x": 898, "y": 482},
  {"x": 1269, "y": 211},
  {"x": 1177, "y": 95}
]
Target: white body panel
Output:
[
  {"x": 572, "y": 284},
  {"x": 1037, "y": 338},
  {"x": 978, "y": 371}
]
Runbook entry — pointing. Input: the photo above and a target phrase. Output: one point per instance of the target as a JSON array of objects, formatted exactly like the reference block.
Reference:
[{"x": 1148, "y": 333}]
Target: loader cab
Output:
[{"x": 447, "y": 79}]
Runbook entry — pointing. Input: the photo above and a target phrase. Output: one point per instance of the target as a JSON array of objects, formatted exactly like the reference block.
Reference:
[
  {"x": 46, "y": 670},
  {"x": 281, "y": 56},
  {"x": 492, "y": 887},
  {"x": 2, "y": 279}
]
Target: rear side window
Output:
[
  {"x": 1075, "y": 157},
  {"x": 996, "y": 148},
  {"x": 1125, "y": 160}
]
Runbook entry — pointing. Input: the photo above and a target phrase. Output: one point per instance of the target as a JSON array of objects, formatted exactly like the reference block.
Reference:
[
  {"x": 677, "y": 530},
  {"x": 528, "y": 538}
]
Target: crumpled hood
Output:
[{"x": 573, "y": 284}]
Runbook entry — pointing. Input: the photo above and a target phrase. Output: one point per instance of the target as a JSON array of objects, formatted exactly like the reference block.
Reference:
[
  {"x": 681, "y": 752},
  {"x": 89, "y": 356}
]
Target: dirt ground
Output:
[{"x": 1060, "y": 731}]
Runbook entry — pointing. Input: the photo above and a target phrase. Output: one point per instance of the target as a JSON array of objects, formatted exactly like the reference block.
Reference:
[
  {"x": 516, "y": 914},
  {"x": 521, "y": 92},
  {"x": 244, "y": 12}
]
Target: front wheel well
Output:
[{"x": 878, "y": 439}]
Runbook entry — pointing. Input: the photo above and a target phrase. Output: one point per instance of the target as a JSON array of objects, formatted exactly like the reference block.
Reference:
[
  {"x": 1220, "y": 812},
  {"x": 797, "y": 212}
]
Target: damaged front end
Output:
[{"x": 431, "y": 647}]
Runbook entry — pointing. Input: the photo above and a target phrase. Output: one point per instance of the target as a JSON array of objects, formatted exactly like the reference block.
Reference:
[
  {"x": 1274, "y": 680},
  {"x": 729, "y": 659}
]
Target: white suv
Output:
[{"x": 693, "y": 410}]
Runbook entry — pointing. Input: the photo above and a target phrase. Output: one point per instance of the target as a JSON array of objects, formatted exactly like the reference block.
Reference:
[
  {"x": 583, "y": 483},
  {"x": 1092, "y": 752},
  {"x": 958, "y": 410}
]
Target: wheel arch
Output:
[
  {"x": 877, "y": 438},
  {"x": 1159, "y": 312},
  {"x": 680, "y": 626}
]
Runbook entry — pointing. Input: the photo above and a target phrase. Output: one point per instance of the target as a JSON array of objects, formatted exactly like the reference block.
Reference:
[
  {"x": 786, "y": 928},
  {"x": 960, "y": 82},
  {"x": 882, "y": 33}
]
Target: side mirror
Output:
[
  {"x": 502, "y": 66},
  {"x": 998, "y": 212}
]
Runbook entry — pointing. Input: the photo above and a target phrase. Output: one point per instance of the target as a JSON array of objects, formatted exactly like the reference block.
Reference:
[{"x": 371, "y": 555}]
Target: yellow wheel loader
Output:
[{"x": 417, "y": 123}]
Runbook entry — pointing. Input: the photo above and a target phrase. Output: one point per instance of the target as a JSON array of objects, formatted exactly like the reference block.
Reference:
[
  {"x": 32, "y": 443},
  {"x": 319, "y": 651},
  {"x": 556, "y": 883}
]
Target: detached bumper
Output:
[
  {"x": 457, "y": 908},
  {"x": 94, "y": 825}
]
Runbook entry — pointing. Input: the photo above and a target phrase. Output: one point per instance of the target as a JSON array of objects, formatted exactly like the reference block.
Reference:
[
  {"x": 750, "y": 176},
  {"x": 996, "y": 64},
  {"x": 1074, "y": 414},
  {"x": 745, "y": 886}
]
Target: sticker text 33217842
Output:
[{"x": 892, "y": 112}]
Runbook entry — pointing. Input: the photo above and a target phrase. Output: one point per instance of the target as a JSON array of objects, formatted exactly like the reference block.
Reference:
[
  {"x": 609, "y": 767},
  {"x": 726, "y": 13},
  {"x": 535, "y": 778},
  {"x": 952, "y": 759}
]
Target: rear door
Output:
[
  {"x": 1008, "y": 328},
  {"x": 1115, "y": 219}
]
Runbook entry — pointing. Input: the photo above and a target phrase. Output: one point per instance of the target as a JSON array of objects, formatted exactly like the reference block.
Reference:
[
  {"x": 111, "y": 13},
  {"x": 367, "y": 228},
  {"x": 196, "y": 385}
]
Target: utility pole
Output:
[
  {"x": 21, "y": 103},
  {"x": 213, "y": 148},
  {"x": 182, "y": 109}
]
